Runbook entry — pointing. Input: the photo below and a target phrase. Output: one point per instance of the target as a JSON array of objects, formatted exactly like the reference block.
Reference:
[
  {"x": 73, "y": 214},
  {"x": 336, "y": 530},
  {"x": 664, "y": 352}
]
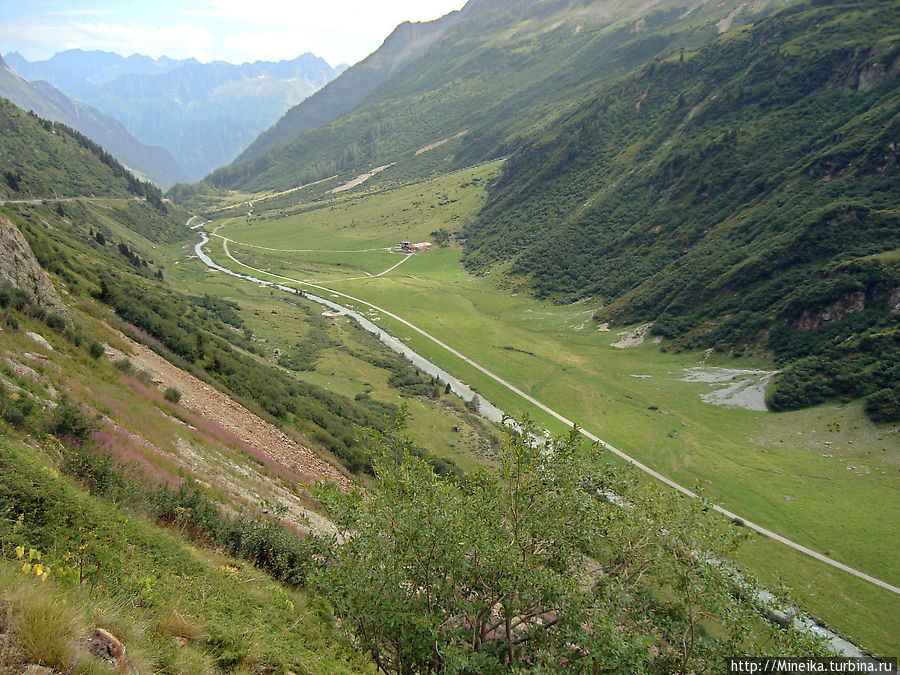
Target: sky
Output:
[{"x": 339, "y": 31}]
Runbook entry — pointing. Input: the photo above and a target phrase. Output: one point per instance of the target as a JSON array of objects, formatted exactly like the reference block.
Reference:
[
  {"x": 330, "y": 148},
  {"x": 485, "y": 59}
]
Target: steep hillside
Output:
[
  {"x": 48, "y": 102},
  {"x": 203, "y": 114},
  {"x": 408, "y": 42},
  {"x": 20, "y": 269},
  {"x": 503, "y": 72},
  {"x": 136, "y": 530},
  {"x": 38, "y": 156},
  {"x": 736, "y": 195}
]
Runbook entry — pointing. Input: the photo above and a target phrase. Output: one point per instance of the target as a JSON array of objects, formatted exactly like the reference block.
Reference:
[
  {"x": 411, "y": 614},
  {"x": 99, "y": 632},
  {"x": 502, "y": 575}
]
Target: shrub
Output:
[
  {"x": 95, "y": 471},
  {"x": 264, "y": 543},
  {"x": 883, "y": 406},
  {"x": 16, "y": 409},
  {"x": 172, "y": 394},
  {"x": 96, "y": 349},
  {"x": 69, "y": 422},
  {"x": 55, "y": 321}
]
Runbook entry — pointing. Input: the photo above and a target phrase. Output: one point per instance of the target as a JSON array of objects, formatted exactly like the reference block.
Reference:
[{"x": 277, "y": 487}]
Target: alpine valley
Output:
[{"x": 555, "y": 336}]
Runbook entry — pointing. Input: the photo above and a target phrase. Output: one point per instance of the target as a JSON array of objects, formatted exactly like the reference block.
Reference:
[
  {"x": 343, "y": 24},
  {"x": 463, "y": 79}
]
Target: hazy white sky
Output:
[{"x": 340, "y": 31}]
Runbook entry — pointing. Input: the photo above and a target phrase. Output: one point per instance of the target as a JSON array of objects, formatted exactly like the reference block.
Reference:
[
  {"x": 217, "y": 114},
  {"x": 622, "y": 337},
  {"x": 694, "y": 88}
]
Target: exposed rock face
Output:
[
  {"x": 864, "y": 70},
  {"x": 19, "y": 267},
  {"x": 850, "y": 304},
  {"x": 894, "y": 301}
]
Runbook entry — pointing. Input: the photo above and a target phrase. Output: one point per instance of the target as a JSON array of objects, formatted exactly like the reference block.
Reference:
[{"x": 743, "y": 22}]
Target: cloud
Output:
[
  {"x": 335, "y": 46},
  {"x": 340, "y": 31}
]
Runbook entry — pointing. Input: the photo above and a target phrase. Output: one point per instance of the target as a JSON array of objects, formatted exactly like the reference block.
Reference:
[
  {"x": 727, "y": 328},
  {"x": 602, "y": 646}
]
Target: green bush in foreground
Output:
[{"x": 536, "y": 566}]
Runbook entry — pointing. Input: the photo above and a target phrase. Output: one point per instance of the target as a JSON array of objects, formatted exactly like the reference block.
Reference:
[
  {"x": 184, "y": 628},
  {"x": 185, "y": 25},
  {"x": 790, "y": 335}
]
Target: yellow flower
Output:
[
  {"x": 34, "y": 554},
  {"x": 26, "y": 568},
  {"x": 38, "y": 570},
  {"x": 20, "y": 551},
  {"x": 44, "y": 576}
]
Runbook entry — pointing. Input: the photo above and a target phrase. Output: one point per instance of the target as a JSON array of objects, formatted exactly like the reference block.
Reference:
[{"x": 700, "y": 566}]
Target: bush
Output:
[
  {"x": 883, "y": 406},
  {"x": 12, "y": 322},
  {"x": 69, "y": 422},
  {"x": 15, "y": 409},
  {"x": 172, "y": 394},
  {"x": 264, "y": 543},
  {"x": 55, "y": 321},
  {"x": 10, "y": 296},
  {"x": 96, "y": 349},
  {"x": 95, "y": 471},
  {"x": 435, "y": 574}
]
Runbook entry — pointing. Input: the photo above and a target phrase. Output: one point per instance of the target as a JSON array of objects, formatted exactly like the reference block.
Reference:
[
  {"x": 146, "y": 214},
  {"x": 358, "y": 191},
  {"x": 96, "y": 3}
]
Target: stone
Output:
[
  {"x": 40, "y": 340},
  {"x": 35, "y": 669},
  {"x": 106, "y": 647},
  {"x": 19, "y": 267}
]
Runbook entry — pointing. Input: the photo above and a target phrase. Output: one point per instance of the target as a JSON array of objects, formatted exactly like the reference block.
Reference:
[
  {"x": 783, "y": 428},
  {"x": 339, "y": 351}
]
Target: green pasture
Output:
[
  {"x": 825, "y": 477},
  {"x": 383, "y": 219},
  {"x": 317, "y": 266}
]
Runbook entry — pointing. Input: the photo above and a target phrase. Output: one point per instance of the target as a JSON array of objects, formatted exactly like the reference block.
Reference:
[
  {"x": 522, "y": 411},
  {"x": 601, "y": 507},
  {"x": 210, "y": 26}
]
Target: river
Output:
[{"x": 485, "y": 408}]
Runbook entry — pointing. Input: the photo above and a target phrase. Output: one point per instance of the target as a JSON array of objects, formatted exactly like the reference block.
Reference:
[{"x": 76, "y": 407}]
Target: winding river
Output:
[{"x": 457, "y": 386}]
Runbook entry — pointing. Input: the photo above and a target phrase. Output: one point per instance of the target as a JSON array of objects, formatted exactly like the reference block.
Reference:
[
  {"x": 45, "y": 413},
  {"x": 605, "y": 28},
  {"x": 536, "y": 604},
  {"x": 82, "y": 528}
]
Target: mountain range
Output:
[
  {"x": 506, "y": 72},
  {"x": 203, "y": 114}
]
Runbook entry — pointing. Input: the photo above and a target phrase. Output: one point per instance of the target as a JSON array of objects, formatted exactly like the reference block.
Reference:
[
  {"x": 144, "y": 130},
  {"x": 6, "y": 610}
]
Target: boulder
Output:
[{"x": 19, "y": 267}]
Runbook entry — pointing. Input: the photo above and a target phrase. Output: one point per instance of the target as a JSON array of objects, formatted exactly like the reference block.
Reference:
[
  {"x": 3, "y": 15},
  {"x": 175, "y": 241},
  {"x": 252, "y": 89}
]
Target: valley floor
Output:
[{"x": 812, "y": 477}]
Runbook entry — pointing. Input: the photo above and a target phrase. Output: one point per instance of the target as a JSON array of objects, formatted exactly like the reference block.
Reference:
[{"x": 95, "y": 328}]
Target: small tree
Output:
[{"x": 532, "y": 566}]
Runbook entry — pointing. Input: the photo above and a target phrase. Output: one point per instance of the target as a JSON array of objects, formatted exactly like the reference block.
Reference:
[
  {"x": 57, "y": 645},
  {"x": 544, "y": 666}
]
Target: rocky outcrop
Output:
[
  {"x": 19, "y": 267},
  {"x": 865, "y": 69},
  {"x": 851, "y": 303}
]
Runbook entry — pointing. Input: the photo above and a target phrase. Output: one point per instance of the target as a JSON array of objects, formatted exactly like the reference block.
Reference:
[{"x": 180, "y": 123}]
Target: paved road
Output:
[{"x": 631, "y": 460}]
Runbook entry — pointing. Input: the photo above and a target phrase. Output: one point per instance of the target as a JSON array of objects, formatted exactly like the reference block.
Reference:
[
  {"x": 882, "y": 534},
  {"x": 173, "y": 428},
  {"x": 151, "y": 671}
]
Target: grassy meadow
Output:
[{"x": 825, "y": 477}]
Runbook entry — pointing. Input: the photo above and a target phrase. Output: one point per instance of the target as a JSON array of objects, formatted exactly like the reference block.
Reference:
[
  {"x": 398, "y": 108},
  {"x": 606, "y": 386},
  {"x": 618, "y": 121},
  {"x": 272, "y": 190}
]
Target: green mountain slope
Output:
[
  {"x": 503, "y": 72},
  {"x": 39, "y": 156},
  {"x": 742, "y": 193},
  {"x": 99, "y": 466},
  {"x": 45, "y": 100},
  {"x": 408, "y": 42}
]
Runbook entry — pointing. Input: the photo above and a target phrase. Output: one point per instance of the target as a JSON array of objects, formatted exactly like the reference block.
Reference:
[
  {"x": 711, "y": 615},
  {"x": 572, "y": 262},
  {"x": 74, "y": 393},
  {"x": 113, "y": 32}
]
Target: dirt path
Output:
[{"x": 211, "y": 403}]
